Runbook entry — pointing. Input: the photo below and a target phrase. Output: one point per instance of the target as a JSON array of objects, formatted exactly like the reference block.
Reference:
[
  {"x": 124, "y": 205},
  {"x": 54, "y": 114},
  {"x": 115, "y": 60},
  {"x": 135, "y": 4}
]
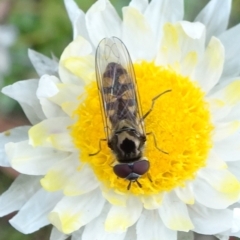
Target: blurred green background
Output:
[{"x": 43, "y": 25}]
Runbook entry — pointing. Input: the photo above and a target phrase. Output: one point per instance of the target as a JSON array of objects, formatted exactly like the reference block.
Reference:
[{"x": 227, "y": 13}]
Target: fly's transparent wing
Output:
[{"x": 117, "y": 85}]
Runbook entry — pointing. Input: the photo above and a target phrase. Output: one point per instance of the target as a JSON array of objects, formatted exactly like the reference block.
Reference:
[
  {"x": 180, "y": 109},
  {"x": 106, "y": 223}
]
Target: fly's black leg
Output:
[
  {"x": 149, "y": 177},
  {"x": 100, "y": 147},
  {"x": 155, "y": 143},
  {"x": 129, "y": 185},
  {"x": 153, "y": 102}
]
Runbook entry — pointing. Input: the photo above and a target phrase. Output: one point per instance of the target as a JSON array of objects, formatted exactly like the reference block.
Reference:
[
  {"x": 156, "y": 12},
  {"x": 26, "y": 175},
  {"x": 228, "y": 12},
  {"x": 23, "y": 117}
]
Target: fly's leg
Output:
[
  {"x": 100, "y": 147},
  {"x": 153, "y": 102},
  {"x": 149, "y": 177},
  {"x": 149, "y": 111},
  {"x": 155, "y": 143}
]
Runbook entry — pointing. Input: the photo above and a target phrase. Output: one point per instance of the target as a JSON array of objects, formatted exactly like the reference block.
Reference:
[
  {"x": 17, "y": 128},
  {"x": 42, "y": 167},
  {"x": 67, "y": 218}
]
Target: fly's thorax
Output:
[{"x": 127, "y": 142}]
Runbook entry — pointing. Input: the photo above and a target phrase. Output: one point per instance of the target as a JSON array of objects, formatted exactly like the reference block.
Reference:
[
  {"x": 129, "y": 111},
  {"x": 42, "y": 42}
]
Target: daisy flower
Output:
[{"x": 195, "y": 187}]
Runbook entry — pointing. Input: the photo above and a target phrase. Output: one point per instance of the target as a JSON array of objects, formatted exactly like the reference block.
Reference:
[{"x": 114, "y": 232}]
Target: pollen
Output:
[{"x": 180, "y": 121}]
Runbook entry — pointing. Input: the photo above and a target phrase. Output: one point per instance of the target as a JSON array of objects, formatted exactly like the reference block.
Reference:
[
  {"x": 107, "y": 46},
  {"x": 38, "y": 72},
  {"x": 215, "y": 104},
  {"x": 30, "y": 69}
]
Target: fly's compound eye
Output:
[
  {"x": 138, "y": 168},
  {"x": 122, "y": 170},
  {"x": 141, "y": 167}
]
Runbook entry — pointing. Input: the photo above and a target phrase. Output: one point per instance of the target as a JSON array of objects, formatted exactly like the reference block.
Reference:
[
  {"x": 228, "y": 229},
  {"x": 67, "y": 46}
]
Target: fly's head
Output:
[{"x": 132, "y": 171}]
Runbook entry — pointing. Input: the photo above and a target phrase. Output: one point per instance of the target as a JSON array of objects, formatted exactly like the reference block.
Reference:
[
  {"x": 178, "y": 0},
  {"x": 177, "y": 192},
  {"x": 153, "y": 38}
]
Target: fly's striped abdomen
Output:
[{"x": 118, "y": 89}]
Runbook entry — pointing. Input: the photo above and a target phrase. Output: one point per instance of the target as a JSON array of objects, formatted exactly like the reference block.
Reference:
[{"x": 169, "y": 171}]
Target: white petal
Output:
[
  {"x": 230, "y": 40},
  {"x": 56, "y": 177},
  {"x": 19, "y": 192},
  {"x": 182, "y": 44},
  {"x": 64, "y": 176},
  {"x": 195, "y": 31},
  {"x": 215, "y": 16},
  {"x": 219, "y": 110},
  {"x": 14, "y": 135},
  {"x": 138, "y": 35},
  {"x": 131, "y": 233},
  {"x": 210, "y": 68},
  {"x": 234, "y": 168},
  {"x": 174, "y": 213},
  {"x": 68, "y": 97},
  {"x": 67, "y": 77},
  {"x": 222, "y": 101},
  {"x": 72, "y": 9},
  {"x": 71, "y": 213},
  {"x": 228, "y": 94},
  {"x": 192, "y": 44},
  {"x": 86, "y": 180},
  {"x": 237, "y": 234},
  {"x": 214, "y": 161},
  {"x": 235, "y": 229},
  {"x": 185, "y": 194},
  {"x": 25, "y": 93},
  {"x": 80, "y": 49},
  {"x": 152, "y": 201},
  {"x": 57, "y": 235},
  {"x": 228, "y": 148},
  {"x": 77, "y": 18},
  {"x": 236, "y": 221},
  {"x": 188, "y": 64},
  {"x": 67, "y": 93},
  {"x": 80, "y": 28},
  {"x": 42, "y": 64},
  {"x": 150, "y": 226},
  {"x": 82, "y": 67},
  {"x": 224, "y": 130},
  {"x": 169, "y": 52},
  {"x": 33, "y": 161},
  {"x": 208, "y": 196},
  {"x": 33, "y": 215},
  {"x": 77, "y": 234},
  {"x": 47, "y": 88},
  {"x": 234, "y": 113},
  {"x": 160, "y": 12},
  {"x": 54, "y": 133},
  {"x": 102, "y": 21},
  {"x": 99, "y": 232},
  {"x": 113, "y": 197},
  {"x": 221, "y": 179},
  {"x": 120, "y": 218},
  {"x": 140, "y": 5},
  {"x": 209, "y": 221}
]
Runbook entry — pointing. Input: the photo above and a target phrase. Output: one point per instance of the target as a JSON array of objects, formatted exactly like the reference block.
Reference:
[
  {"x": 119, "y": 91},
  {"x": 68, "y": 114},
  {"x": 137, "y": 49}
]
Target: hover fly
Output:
[{"x": 121, "y": 110}]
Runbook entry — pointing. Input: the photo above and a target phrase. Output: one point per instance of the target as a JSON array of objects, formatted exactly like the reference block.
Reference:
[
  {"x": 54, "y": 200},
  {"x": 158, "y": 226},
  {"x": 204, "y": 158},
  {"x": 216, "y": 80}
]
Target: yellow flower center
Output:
[{"x": 180, "y": 121}]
